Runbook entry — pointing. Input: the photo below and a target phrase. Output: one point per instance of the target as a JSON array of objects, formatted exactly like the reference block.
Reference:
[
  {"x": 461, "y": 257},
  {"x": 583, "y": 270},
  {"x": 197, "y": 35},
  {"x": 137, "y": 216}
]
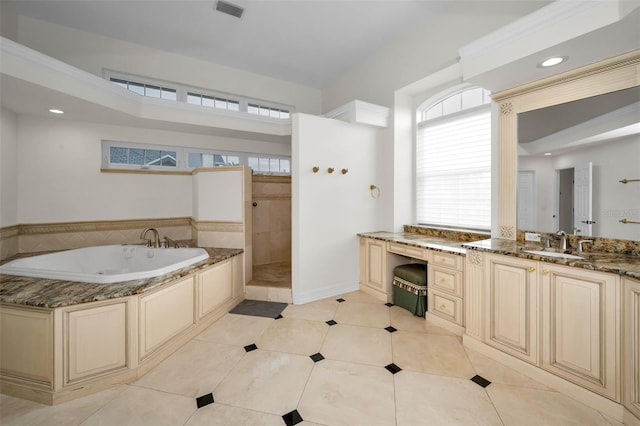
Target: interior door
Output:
[{"x": 582, "y": 208}]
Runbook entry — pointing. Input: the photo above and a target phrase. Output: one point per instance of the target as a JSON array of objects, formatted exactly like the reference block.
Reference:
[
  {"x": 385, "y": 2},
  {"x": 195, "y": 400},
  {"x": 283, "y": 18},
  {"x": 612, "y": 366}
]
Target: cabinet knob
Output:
[
  {"x": 443, "y": 306},
  {"x": 545, "y": 272},
  {"x": 532, "y": 269}
]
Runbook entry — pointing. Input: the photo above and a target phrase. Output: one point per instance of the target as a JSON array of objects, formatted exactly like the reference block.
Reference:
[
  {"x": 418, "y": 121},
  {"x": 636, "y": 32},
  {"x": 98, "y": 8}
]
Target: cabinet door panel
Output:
[
  {"x": 27, "y": 344},
  {"x": 631, "y": 346},
  {"x": 512, "y": 307},
  {"x": 580, "y": 327},
  {"x": 375, "y": 264},
  {"x": 215, "y": 285},
  {"x": 164, "y": 314},
  {"x": 95, "y": 341}
]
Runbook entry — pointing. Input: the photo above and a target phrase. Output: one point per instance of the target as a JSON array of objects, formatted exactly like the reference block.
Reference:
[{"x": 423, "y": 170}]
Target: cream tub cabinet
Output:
[{"x": 55, "y": 355}]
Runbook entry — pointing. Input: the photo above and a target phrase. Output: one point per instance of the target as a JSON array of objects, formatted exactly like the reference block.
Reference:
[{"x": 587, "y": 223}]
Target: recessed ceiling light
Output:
[
  {"x": 552, "y": 61},
  {"x": 547, "y": 153},
  {"x": 56, "y": 111}
]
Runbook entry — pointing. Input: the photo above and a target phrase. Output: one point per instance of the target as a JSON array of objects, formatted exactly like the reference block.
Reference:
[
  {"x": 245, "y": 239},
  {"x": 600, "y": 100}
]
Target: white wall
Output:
[
  {"x": 419, "y": 53},
  {"x": 612, "y": 201},
  {"x": 8, "y": 168},
  {"x": 59, "y": 178},
  {"x": 94, "y": 53},
  {"x": 218, "y": 196},
  {"x": 328, "y": 210}
]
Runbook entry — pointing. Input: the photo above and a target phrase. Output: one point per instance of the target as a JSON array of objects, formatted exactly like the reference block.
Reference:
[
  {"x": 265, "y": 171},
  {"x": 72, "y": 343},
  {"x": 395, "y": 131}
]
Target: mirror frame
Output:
[{"x": 618, "y": 73}]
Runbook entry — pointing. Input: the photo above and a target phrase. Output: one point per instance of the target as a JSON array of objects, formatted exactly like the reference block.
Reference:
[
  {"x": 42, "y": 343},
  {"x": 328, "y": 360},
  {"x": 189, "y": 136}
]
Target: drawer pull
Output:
[
  {"x": 443, "y": 306},
  {"x": 532, "y": 269},
  {"x": 442, "y": 280}
]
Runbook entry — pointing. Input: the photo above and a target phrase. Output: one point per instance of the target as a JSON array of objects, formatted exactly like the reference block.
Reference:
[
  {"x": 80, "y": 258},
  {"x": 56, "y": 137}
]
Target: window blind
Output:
[{"x": 453, "y": 170}]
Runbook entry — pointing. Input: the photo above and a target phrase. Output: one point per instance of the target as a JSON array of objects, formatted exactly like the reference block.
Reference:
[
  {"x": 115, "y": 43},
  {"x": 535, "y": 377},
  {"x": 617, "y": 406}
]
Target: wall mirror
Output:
[{"x": 588, "y": 121}]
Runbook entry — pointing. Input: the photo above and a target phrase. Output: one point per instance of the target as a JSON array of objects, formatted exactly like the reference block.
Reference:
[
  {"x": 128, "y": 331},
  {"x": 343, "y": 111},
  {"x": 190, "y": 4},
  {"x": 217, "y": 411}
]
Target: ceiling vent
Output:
[{"x": 229, "y": 9}]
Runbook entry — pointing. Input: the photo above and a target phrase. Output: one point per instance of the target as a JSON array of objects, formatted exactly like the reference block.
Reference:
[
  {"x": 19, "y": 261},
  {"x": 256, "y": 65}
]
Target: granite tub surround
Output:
[
  {"x": 48, "y": 293},
  {"x": 611, "y": 262}
]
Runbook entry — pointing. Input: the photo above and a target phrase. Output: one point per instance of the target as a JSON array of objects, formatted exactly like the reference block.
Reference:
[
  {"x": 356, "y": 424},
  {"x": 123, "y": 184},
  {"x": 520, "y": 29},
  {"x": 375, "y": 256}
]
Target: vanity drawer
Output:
[
  {"x": 448, "y": 260},
  {"x": 444, "y": 306},
  {"x": 446, "y": 280},
  {"x": 414, "y": 252}
]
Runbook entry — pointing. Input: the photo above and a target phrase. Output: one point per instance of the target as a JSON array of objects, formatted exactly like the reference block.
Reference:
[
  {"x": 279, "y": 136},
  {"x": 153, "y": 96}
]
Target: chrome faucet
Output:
[
  {"x": 563, "y": 240},
  {"x": 156, "y": 237},
  {"x": 580, "y": 249}
]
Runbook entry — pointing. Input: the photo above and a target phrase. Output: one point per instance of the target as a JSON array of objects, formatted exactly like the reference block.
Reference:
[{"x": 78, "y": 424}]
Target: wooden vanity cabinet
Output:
[
  {"x": 445, "y": 287},
  {"x": 631, "y": 348},
  {"x": 374, "y": 269},
  {"x": 581, "y": 327},
  {"x": 511, "y": 310}
]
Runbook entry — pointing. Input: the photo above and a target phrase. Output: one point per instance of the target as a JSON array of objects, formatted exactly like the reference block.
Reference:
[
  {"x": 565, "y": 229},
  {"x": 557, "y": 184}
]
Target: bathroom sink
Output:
[{"x": 553, "y": 254}]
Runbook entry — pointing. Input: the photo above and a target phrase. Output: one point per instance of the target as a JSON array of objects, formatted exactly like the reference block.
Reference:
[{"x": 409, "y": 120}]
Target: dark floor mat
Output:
[{"x": 259, "y": 308}]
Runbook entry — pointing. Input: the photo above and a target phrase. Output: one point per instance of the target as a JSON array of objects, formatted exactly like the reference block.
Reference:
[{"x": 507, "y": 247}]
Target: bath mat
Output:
[{"x": 259, "y": 308}]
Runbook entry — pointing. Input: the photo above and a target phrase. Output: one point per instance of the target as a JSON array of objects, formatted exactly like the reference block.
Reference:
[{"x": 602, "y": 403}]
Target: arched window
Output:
[{"x": 453, "y": 161}]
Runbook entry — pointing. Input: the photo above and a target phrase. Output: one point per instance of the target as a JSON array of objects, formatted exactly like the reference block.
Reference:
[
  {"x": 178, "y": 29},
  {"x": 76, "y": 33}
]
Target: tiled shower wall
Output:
[{"x": 271, "y": 219}]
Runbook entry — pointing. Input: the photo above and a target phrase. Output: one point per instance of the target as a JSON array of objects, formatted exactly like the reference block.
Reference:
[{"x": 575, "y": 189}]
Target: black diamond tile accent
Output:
[
  {"x": 317, "y": 357},
  {"x": 331, "y": 322},
  {"x": 391, "y": 329},
  {"x": 479, "y": 380},
  {"x": 251, "y": 347},
  {"x": 279, "y": 317},
  {"x": 292, "y": 418},
  {"x": 388, "y": 304},
  {"x": 340, "y": 300},
  {"x": 393, "y": 369},
  {"x": 204, "y": 400}
]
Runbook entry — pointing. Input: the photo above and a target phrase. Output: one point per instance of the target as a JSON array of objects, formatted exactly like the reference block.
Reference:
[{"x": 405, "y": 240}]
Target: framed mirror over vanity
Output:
[{"x": 587, "y": 121}]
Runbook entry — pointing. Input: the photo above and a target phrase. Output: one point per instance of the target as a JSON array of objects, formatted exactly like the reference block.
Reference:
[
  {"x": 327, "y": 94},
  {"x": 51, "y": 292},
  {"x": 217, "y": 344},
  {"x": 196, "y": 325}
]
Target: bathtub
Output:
[{"x": 105, "y": 264}]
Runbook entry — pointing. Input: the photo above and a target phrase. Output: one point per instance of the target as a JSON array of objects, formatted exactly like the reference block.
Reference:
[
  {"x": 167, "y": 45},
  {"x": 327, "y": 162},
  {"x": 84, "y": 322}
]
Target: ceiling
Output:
[{"x": 310, "y": 42}]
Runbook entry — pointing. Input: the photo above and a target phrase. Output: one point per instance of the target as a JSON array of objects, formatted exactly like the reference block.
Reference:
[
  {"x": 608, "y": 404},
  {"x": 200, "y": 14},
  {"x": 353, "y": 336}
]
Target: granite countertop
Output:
[
  {"x": 418, "y": 240},
  {"x": 616, "y": 263},
  {"x": 48, "y": 293}
]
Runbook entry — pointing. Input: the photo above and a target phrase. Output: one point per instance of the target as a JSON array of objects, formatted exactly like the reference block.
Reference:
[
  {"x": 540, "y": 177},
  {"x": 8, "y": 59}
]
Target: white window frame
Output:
[
  {"x": 443, "y": 120},
  {"x": 182, "y": 157},
  {"x": 182, "y": 91}
]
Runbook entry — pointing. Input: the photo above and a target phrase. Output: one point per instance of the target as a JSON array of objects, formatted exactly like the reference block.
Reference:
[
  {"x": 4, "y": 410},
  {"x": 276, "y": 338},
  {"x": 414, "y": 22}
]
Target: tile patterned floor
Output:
[{"x": 376, "y": 365}]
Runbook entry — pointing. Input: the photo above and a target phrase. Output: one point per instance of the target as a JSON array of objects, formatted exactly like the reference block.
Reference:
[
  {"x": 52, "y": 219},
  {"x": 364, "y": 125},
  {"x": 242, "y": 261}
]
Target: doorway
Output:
[
  {"x": 565, "y": 200},
  {"x": 271, "y": 233}
]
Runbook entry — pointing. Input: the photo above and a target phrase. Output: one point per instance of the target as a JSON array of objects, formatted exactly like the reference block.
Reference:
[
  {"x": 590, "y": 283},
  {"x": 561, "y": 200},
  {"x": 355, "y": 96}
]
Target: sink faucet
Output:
[
  {"x": 580, "y": 249},
  {"x": 563, "y": 240},
  {"x": 156, "y": 237}
]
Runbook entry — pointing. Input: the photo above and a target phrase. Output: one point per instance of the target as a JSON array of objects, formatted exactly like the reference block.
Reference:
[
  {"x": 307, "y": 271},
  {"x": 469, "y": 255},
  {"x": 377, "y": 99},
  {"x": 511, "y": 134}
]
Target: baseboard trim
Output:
[
  {"x": 604, "y": 405},
  {"x": 300, "y": 298}
]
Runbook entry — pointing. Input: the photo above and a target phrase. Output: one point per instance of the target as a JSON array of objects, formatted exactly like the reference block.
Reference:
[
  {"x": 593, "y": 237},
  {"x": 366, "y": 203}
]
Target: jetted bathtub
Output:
[{"x": 105, "y": 264}]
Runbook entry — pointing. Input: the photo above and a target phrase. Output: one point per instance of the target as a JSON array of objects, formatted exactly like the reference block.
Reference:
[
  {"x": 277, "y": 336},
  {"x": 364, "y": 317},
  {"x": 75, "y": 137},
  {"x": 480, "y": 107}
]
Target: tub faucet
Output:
[
  {"x": 563, "y": 240},
  {"x": 156, "y": 237},
  {"x": 169, "y": 243}
]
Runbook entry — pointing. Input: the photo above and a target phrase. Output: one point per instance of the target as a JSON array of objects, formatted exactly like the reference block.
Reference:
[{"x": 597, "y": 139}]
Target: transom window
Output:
[
  {"x": 453, "y": 161},
  {"x": 134, "y": 156},
  {"x": 148, "y": 90},
  {"x": 179, "y": 92}
]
